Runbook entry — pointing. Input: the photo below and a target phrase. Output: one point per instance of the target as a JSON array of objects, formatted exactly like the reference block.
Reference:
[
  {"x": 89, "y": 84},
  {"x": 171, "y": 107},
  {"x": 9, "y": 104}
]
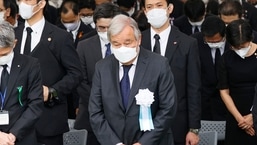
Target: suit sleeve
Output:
[
  {"x": 99, "y": 124},
  {"x": 167, "y": 107},
  {"x": 34, "y": 104},
  {"x": 193, "y": 86},
  {"x": 69, "y": 60},
  {"x": 84, "y": 88}
]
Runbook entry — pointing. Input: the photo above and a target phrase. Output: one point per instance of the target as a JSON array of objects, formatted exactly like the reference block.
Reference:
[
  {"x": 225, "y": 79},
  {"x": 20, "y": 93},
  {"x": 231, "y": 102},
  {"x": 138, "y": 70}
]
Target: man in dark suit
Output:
[
  {"x": 121, "y": 81},
  {"x": 191, "y": 21},
  {"x": 60, "y": 66},
  {"x": 70, "y": 21},
  {"x": 212, "y": 44},
  {"x": 90, "y": 51},
  {"x": 182, "y": 53},
  {"x": 21, "y": 92}
]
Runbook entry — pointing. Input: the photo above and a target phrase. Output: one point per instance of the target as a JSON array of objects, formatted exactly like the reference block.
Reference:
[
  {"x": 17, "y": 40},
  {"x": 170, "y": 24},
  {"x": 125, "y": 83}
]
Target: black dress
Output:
[{"x": 239, "y": 76}]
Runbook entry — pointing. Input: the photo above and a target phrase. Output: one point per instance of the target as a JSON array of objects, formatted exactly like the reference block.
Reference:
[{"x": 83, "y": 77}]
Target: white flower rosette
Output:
[{"x": 145, "y": 98}]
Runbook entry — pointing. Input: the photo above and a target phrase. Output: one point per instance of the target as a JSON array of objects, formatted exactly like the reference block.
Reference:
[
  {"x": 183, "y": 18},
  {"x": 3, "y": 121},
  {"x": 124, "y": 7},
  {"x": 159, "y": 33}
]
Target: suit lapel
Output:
[
  {"x": 15, "y": 71},
  {"x": 138, "y": 77},
  {"x": 173, "y": 42},
  {"x": 97, "y": 48},
  {"x": 46, "y": 38},
  {"x": 116, "y": 82},
  {"x": 146, "y": 39}
]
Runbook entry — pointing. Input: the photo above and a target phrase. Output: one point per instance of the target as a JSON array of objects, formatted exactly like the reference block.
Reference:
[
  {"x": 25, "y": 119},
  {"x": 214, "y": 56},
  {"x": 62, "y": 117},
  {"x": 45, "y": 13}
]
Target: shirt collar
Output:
[
  {"x": 37, "y": 27},
  {"x": 163, "y": 35}
]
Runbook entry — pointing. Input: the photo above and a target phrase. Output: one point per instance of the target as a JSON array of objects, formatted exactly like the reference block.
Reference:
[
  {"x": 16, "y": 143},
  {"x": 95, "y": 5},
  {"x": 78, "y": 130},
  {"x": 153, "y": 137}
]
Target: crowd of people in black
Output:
[{"x": 91, "y": 61}]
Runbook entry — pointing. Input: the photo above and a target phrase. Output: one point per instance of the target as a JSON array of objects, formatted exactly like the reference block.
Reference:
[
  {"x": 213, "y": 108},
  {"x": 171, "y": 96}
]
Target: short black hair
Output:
[
  {"x": 74, "y": 6},
  {"x": 213, "y": 25},
  {"x": 126, "y": 3},
  {"x": 230, "y": 7},
  {"x": 106, "y": 10},
  {"x": 143, "y": 2},
  {"x": 194, "y": 9},
  {"x": 239, "y": 32},
  {"x": 14, "y": 9},
  {"x": 89, "y": 4}
]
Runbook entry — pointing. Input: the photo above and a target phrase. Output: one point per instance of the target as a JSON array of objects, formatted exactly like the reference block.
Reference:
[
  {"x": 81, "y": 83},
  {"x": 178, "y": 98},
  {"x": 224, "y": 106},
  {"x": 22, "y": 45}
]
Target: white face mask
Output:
[
  {"x": 243, "y": 51},
  {"x": 2, "y": 16},
  {"x": 87, "y": 20},
  {"x": 216, "y": 45},
  {"x": 71, "y": 26},
  {"x": 6, "y": 59},
  {"x": 26, "y": 11},
  {"x": 157, "y": 17},
  {"x": 103, "y": 36},
  {"x": 124, "y": 54},
  {"x": 131, "y": 12},
  {"x": 199, "y": 23}
]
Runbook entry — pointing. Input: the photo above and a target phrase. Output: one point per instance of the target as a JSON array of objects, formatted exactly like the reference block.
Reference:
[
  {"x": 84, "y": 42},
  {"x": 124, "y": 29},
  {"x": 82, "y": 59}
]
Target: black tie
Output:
[
  {"x": 217, "y": 58},
  {"x": 108, "y": 49},
  {"x": 27, "y": 47},
  {"x": 157, "y": 47},
  {"x": 4, "y": 78},
  {"x": 196, "y": 29},
  {"x": 125, "y": 85}
]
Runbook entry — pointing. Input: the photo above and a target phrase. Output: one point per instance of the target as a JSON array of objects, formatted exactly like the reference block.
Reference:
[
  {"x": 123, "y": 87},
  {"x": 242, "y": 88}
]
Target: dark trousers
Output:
[{"x": 50, "y": 140}]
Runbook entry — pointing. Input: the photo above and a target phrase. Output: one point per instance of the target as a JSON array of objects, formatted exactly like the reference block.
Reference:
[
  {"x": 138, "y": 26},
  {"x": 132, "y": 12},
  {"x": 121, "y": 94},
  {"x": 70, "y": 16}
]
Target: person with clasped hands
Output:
[
  {"x": 237, "y": 79},
  {"x": 21, "y": 92},
  {"x": 127, "y": 82}
]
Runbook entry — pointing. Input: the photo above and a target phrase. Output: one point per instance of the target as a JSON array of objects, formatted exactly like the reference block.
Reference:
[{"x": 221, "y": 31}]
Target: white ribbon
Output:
[{"x": 145, "y": 98}]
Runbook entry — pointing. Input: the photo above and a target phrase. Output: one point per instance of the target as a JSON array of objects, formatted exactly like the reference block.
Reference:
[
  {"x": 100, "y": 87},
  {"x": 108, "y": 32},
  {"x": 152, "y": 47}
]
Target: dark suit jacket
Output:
[
  {"x": 111, "y": 122},
  {"x": 183, "y": 24},
  {"x": 61, "y": 70},
  {"x": 89, "y": 51},
  {"x": 83, "y": 30},
  {"x": 25, "y": 73},
  {"x": 182, "y": 53},
  {"x": 210, "y": 94},
  {"x": 250, "y": 13}
]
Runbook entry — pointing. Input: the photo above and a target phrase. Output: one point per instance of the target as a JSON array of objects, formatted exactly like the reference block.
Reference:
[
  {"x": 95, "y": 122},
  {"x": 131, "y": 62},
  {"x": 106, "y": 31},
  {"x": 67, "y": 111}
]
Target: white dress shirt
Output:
[
  {"x": 164, "y": 36},
  {"x": 35, "y": 35}
]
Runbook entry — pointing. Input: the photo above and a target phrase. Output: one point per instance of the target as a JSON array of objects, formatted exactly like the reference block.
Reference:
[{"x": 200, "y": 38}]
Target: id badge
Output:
[{"x": 4, "y": 117}]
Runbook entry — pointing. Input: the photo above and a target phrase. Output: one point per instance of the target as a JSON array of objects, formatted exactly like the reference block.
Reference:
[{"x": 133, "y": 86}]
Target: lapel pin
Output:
[
  {"x": 175, "y": 43},
  {"x": 49, "y": 39},
  {"x": 18, "y": 65}
]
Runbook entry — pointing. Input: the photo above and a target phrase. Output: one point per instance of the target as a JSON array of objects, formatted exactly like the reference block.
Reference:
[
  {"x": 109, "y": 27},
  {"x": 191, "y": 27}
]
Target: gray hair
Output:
[
  {"x": 119, "y": 22},
  {"x": 7, "y": 35}
]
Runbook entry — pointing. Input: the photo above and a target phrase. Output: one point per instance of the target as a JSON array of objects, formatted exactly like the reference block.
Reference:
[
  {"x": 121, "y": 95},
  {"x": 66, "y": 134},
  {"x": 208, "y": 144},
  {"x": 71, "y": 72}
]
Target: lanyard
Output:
[{"x": 3, "y": 98}]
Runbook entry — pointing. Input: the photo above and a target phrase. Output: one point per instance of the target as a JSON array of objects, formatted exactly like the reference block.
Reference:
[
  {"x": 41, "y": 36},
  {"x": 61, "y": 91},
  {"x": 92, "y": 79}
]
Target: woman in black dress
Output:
[{"x": 237, "y": 79}]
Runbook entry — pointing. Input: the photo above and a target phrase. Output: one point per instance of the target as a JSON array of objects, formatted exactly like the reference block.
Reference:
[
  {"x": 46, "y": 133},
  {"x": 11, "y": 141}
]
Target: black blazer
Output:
[
  {"x": 61, "y": 70},
  {"x": 183, "y": 25},
  {"x": 111, "y": 122},
  {"x": 25, "y": 73},
  {"x": 210, "y": 94},
  {"x": 89, "y": 51},
  {"x": 182, "y": 53},
  {"x": 83, "y": 30}
]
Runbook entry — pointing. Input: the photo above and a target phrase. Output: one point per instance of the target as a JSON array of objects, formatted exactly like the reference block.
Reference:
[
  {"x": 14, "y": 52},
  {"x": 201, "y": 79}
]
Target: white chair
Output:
[
  {"x": 218, "y": 126},
  {"x": 75, "y": 137},
  {"x": 208, "y": 138}
]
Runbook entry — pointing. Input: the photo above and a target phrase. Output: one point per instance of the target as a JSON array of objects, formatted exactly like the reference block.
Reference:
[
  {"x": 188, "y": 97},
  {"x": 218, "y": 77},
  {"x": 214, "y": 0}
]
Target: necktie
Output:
[
  {"x": 217, "y": 58},
  {"x": 125, "y": 85},
  {"x": 108, "y": 49},
  {"x": 157, "y": 47},
  {"x": 4, "y": 78},
  {"x": 27, "y": 47},
  {"x": 196, "y": 29}
]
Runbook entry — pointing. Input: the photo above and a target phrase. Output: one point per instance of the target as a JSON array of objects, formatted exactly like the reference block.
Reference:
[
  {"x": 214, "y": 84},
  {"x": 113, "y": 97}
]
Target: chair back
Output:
[
  {"x": 208, "y": 138},
  {"x": 75, "y": 137},
  {"x": 218, "y": 126}
]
